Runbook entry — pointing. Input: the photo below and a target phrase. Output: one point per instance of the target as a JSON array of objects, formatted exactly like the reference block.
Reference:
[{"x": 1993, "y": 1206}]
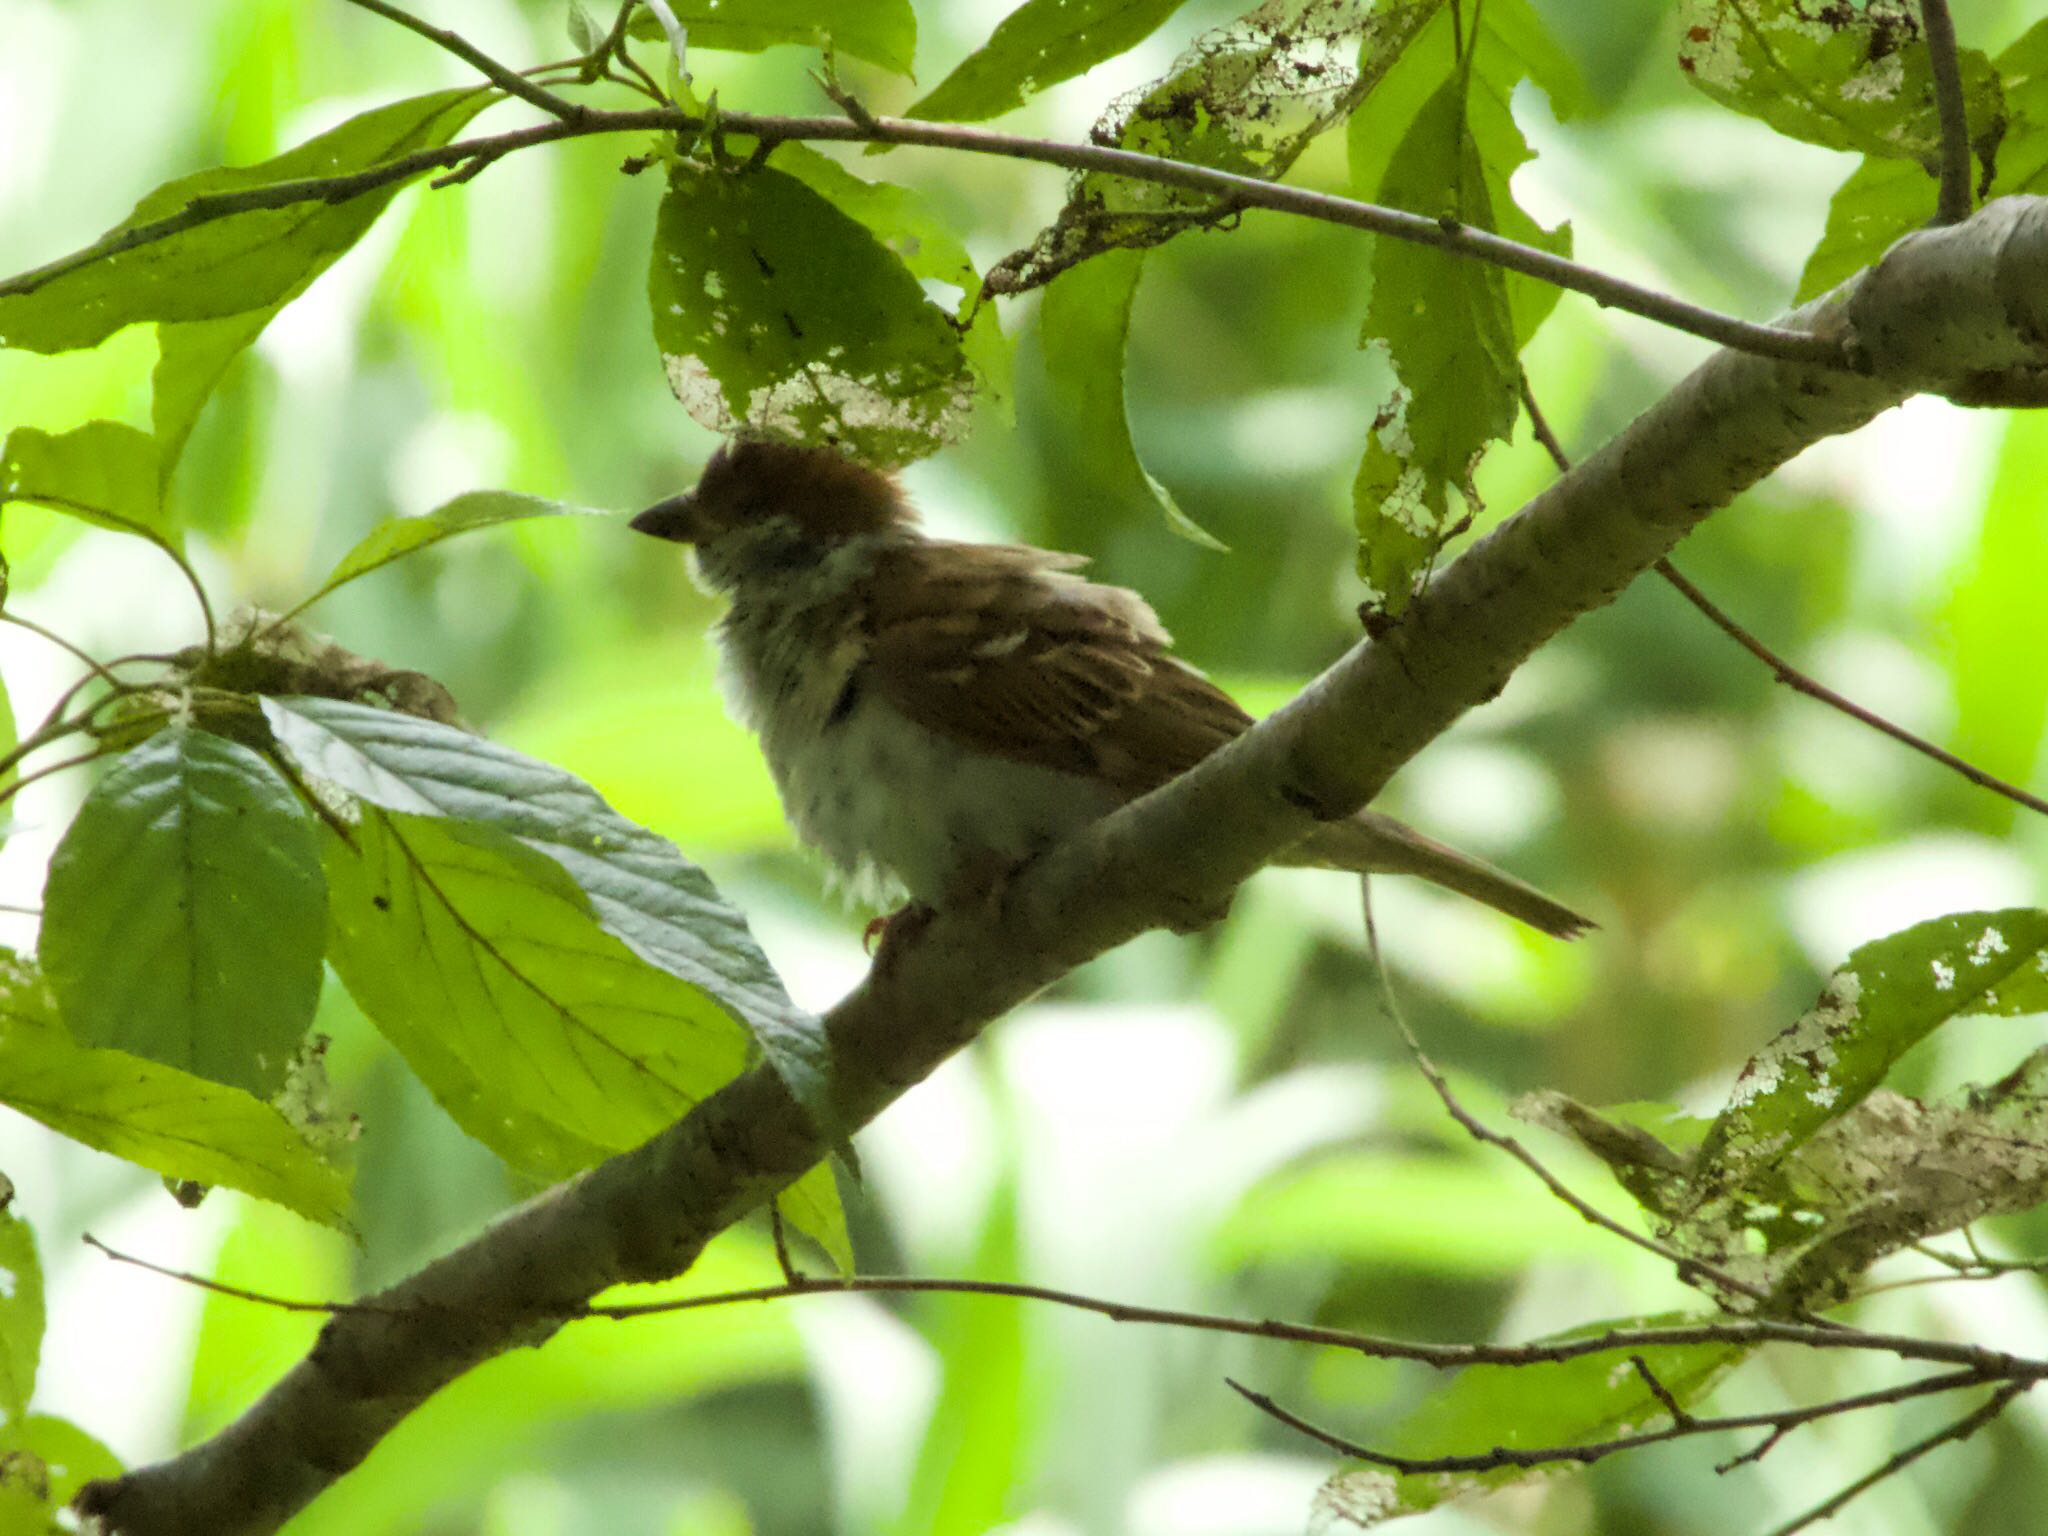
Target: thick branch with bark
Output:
[{"x": 1970, "y": 298}]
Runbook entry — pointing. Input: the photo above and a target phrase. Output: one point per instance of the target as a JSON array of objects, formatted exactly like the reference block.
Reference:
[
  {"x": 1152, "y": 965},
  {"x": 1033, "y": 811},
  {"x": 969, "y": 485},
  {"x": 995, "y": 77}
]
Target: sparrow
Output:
[{"x": 937, "y": 713}]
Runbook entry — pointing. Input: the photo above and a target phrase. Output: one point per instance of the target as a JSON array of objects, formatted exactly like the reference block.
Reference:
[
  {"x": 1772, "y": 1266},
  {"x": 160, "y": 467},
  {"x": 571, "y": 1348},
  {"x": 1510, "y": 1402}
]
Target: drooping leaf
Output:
[
  {"x": 1038, "y": 45},
  {"x": 1084, "y": 325},
  {"x": 192, "y": 357},
  {"x": 184, "y": 915},
  {"x": 21, "y": 1317},
  {"x": 1890, "y": 995},
  {"x": 1886, "y": 198},
  {"x": 1569, "y": 1402},
  {"x": 883, "y": 32},
  {"x": 775, "y": 310},
  {"x": 641, "y": 889},
  {"x": 907, "y": 224},
  {"x": 249, "y": 260},
  {"x": 1847, "y": 76},
  {"x": 403, "y": 536},
  {"x": 485, "y": 964},
  {"x": 104, "y": 472}
]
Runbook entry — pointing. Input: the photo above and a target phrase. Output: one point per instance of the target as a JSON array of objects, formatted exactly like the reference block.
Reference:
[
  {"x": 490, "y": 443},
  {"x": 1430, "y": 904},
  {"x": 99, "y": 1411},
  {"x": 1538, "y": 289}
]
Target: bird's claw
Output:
[{"x": 887, "y": 934}]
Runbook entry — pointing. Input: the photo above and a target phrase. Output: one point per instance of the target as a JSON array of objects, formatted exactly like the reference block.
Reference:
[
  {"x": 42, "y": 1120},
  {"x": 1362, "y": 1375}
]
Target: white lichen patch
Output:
[
  {"x": 1944, "y": 975},
  {"x": 1988, "y": 943}
]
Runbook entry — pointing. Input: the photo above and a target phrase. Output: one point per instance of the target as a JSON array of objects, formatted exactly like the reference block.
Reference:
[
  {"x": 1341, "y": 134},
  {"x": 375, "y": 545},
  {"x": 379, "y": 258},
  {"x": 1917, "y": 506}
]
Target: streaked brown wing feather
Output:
[{"x": 997, "y": 647}]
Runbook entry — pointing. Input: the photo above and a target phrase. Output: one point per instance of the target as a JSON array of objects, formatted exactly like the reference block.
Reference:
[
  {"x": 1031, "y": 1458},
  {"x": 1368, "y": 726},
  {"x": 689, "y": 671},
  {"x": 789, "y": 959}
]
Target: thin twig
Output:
[
  {"x": 1778, "y": 1421},
  {"x": 503, "y": 76},
  {"x": 1603, "y": 288},
  {"x": 790, "y": 1272},
  {"x": 99, "y": 668},
  {"x": 1961, "y": 1429},
  {"x": 1691, "y": 1270},
  {"x": 1782, "y": 669},
  {"x": 1657, "y": 1389},
  {"x": 1953, "y": 204},
  {"x": 1986, "y": 1363}
]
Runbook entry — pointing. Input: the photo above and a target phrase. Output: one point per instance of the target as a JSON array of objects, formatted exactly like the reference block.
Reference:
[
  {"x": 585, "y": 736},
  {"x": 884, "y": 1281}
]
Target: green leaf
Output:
[
  {"x": 168, "y": 1121},
  {"x": 459, "y": 933},
  {"x": 184, "y": 915},
  {"x": 1083, "y": 328},
  {"x": 1886, "y": 198},
  {"x": 883, "y": 32},
  {"x": 192, "y": 357},
  {"x": 104, "y": 472},
  {"x": 641, "y": 889},
  {"x": 1850, "y": 76},
  {"x": 403, "y": 536},
  {"x": 1889, "y": 996},
  {"x": 44, "y": 1461},
  {"x": 250, "y": 260},
  {"x": 1521, "y": 1407},
  {"x": 21, "y": 1317},
  {"x": 926, "y": 245},
  {"x": 776, "y": 311},
  {"x": 1038, "y": 45}
]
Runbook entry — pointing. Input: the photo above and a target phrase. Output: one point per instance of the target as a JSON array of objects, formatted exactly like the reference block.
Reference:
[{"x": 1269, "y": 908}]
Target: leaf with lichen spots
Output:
[
  {"x": 1847, "y": 76},
  {"x": 1891, "y": 995},
  {"x": 779, "y": 313},
  {"x": 1248, "y": 97}
]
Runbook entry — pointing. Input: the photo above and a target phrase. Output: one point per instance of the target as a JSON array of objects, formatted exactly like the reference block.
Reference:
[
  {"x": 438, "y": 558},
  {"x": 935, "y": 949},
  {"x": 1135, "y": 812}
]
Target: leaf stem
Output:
[{"x": 1939, "y": 27}]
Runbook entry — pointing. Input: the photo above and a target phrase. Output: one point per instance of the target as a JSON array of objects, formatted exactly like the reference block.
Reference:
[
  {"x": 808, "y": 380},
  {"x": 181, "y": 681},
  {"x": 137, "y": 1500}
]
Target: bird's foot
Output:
[{"x": 885, "y": 936}]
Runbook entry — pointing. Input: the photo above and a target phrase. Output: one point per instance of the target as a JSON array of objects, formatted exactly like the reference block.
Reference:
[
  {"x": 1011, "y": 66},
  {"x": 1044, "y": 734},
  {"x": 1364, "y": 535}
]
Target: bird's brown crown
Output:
[{"x": 830, "y": 496}]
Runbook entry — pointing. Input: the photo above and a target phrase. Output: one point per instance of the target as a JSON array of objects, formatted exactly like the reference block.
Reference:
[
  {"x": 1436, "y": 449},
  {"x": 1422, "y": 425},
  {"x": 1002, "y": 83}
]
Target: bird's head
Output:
[{"x": 762, "y": 505}]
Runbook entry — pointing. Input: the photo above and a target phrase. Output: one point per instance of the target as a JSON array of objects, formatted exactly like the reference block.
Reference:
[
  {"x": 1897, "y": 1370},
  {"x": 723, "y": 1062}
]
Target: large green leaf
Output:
[
  {"x": 909, "y": 226},
  {"x": 776, "y": 311},
  {"x": 486, "y": 965},
  {"x": 1083, "y": 327},
  {"x": 883, "y": 32},
  {"x": 1886, "y": 198},
  {"x": 403, "y": 536},
  {"x": 21, "y": 1317},
  {"x": 185, "y": 914},
  {"x": 1038, "y": 45},
  {"x": 104, "y": 472},
  {"x": 168, "y": 1121},
  {"x": 1889, "y": 996},
  {"x": 1852, "y": 75},
  {"x": 1569, "y": 1402},
  {"x": 250, "y": 260},
  {"x": 641, "y": 889}
]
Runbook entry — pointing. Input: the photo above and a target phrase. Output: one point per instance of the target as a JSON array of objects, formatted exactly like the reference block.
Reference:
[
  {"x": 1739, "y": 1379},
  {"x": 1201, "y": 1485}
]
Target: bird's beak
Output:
[{"x": 674, "y": 519}]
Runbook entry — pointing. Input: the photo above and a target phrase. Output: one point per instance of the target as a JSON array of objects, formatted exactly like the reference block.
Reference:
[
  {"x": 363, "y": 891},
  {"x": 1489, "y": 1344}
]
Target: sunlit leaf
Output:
[
  {"x": 776, "y": 311},
  {"x": 403, "y": 536},
  {"x": 192, "y": 357},
  {"x": 103, "y": 472},
  {"x": 1849, "y": 76},
  {"x": 883, "y": 32},
  {"x": 1037, "y": 45},
  {"x": 640, "y": 888},
  {"x": 1083, "y": 327},
  {"x": 44, "y": 1461},
  {"x": 184, "y": 916},
  {"x": 908, "y": 225},
  {"x": 21, "y": 1316},
  {"x": 1890, "y": 995},
  {"x": 1522, "y": 1407},
  {"x": 1886, "y": 197}
]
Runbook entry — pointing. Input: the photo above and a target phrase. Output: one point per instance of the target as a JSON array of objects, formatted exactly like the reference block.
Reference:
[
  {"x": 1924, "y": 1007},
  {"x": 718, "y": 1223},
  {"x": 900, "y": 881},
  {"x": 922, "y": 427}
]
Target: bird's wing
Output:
[{"x": 1003, "y": 649}]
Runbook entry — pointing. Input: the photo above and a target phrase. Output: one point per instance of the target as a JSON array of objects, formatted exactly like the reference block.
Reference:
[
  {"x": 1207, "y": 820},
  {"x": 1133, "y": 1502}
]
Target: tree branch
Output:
[
  {"x": 1943, "y": 302},
  {"x": 1250, "y": 191}
]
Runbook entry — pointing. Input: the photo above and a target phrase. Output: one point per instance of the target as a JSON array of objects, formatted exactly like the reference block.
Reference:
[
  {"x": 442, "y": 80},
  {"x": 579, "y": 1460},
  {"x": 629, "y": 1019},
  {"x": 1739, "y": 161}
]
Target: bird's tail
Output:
[{"x": 1370, "y": 843}]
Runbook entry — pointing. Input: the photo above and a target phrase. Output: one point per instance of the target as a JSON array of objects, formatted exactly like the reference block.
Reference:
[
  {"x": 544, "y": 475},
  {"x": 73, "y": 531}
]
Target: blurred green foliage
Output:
[{"x": 1224, "y": 1123}]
